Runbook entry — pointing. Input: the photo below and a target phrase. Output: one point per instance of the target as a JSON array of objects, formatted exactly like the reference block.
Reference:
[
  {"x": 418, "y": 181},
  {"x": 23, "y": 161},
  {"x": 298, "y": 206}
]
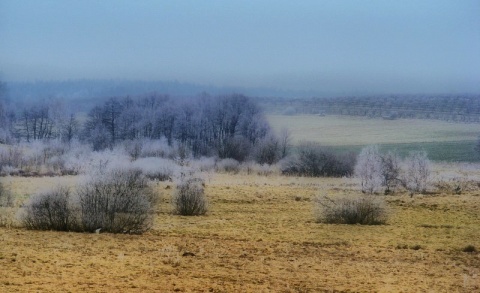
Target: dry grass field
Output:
[
  {"x": 443, "y": 141},
  {"x": 350, "y": 130},
  {"x": 260, "y": 235}
]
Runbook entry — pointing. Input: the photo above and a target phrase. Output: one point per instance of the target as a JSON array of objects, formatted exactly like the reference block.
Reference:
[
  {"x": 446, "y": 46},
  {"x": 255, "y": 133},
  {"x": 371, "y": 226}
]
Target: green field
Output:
[{"x": 443, "y": 141}]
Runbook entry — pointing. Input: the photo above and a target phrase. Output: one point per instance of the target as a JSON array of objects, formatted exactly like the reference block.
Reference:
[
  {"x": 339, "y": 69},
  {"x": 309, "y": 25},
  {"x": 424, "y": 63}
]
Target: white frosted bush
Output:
[
  {"x": 259, "y": 169},
  {"x": 100, "y": 162},
  {"x": 204, "y": 164},
  {"x": 157, "y": 148},
  {"x": 8, "y": 170},
  {"x": 228, "y": 166},
  {"x": 157, "y": 168}
]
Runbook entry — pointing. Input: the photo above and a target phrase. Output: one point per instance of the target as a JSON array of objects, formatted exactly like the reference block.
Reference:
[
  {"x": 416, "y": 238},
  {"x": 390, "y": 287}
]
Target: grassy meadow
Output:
[
  {"x": 443, "y": 141},
  {"x": 260, "y": 235}
]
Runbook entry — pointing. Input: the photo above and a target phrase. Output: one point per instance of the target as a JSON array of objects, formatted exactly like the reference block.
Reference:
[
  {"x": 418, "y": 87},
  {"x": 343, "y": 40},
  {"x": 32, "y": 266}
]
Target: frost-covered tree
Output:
[
  {"x": 369, "y": 169},
  {"x": 417, "y": 172},
  {"x": 390, "y": 170}
]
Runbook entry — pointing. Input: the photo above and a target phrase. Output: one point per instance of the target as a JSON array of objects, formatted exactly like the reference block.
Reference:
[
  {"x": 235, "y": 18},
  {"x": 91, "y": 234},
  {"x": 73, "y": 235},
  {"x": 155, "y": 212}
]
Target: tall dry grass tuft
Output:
[
  {"x": 363, "y": 210},
  {"x": 6, "y": 197}
]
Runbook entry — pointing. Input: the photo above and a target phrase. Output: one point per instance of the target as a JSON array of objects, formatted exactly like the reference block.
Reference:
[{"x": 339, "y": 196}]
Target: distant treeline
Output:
[
  {"x": 230, "y": 126},
  {"x": 457, "y": 108}
]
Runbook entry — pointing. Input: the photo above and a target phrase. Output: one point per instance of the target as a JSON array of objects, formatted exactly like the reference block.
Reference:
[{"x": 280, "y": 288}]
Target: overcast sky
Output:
[{"x": 427, "y": 46}]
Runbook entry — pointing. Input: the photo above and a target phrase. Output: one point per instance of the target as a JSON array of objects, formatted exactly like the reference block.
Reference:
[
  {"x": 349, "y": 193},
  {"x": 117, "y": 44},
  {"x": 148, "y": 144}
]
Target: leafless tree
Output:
[
  {"x": 285, "y": 141},
  {"x": 267, "y": 150},
  {"x": 70, "y": 129}
]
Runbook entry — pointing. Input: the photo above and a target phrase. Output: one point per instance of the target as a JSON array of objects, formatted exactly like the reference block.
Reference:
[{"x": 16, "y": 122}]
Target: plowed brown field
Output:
[{"x": 259, "y": 236}]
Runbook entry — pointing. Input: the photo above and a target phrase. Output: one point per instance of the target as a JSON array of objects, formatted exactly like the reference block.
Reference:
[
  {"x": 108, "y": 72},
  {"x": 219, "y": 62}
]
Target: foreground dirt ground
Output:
[{"x": 259, "y": 236}]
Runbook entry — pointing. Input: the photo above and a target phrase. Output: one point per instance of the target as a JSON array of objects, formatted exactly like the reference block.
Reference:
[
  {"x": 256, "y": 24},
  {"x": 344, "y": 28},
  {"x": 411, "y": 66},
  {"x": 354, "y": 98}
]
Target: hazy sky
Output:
[{"x": 331, "y": 46}]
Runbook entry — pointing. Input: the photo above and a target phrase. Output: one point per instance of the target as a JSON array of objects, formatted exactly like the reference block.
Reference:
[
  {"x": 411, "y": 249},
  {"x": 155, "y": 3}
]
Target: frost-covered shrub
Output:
[
  {"x": 157, "y": 168},
  {"x": 119, "y": 201},
  {"x": 100, "y": 162},
  {"x": 157, "y": 148},
  {"x": 6, "y": 197},
  {"x": 133, "y": 148},
  {"x": 259, "y": 169},
  {"x": 267, "y": 150},
  {"x": 9, "y": 171},
  {"x": 228, "y": 166},
  {"x": 5, "y": 136},
  {"x": 51, "y": 210},
  {"x": 189, "y": 197},
  {"x": 204, "y": 164},
  {"x": 11, "y": 156},
  {"x": 364, "y": 210},
  {"x": 77, "y": 158},
  {"x": 314, "y": 160},
  {"x": 38, "y": 154}
]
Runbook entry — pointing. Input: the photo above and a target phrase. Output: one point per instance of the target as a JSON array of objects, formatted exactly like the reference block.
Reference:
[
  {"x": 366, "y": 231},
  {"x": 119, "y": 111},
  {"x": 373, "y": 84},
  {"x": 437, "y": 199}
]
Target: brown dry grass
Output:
[{"x": 259, "y": 236}]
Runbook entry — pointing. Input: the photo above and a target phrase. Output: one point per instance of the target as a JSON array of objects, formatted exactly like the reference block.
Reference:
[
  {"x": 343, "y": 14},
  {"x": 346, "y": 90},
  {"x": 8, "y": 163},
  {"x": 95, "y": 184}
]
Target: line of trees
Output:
[
  {"x": 227, "y": 126},
  {"x": 377, "y": 170},
  {"x": 232, "y": 126},
  {"x": 458, "y": 108}
]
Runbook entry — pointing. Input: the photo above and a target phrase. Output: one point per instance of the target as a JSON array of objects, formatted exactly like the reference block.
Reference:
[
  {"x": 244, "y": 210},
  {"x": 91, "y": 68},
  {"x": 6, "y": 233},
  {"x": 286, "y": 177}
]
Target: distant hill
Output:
[{"x": 85, "y": 89}]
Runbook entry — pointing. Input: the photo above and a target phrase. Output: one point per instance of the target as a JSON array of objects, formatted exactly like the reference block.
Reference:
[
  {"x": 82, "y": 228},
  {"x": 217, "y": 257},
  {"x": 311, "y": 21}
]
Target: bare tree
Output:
[
  {"x": 111, "y": 112},
  {"x": 267, "y": 150},
  {"x": 94, "y": 131},
  {"x": 70, "y": 129},
  {"x": 37, "y": 122},
  {"x": 285, "y": 142}
]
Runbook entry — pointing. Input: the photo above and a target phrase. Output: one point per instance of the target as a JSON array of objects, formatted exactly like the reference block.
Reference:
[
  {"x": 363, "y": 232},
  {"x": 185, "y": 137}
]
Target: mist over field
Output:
[{"x": 321, "y": 47}]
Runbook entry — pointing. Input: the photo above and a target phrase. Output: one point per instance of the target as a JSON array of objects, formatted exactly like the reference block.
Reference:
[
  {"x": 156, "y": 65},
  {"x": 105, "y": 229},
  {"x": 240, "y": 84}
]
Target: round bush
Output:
[
  {"x": 364, "y": 210},
  {"x": 189, "y": 198}
]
